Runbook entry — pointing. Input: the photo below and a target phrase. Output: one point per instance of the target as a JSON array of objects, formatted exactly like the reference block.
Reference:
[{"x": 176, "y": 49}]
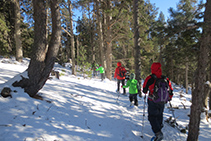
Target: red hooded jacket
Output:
[
  {"x": 150, "y": 82},
  {"x": 116, "y": 74}
]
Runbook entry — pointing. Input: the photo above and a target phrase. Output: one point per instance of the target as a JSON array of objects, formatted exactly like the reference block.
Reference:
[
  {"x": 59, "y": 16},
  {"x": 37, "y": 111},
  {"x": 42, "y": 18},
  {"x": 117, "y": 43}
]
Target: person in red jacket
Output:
[
  {"x": 119, "y": 74},
  {"x": 155, "y": 110}
]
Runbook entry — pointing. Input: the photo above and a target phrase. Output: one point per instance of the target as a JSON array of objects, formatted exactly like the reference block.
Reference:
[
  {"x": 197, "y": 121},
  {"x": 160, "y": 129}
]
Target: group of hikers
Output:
[{"x": 159, "y": 88}]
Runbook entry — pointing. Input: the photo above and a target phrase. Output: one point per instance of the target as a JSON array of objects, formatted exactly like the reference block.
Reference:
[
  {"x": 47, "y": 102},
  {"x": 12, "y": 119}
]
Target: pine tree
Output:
[
  {"x": 198, "y": 94},
  {"x": 42, "y": 60}
]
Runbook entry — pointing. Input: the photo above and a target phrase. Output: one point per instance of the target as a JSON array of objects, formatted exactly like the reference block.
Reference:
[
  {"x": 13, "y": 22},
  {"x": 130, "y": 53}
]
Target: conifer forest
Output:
[{"x": 84, "y": 32}]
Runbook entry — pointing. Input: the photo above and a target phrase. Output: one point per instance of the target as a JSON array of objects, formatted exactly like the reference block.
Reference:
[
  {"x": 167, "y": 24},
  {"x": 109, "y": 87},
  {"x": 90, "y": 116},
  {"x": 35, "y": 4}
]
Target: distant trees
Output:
[{"x": 16, "y": 37}]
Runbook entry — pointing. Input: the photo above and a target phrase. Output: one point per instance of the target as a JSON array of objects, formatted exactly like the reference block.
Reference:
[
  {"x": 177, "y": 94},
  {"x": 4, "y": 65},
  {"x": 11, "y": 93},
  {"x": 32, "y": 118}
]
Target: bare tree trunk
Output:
[
  {"x": 136, "y": 42},
  {"x": 198, "y": 95},
  {"x": 17, "y": 34},
  {"x": 186, "y": 77},
  {"x": 108, "y": 66},
  {"x": 42, "y": 60},
  {"x": 100, "y": 32},
  {"x": 72, "y": 38},
  {"x": 68, "y": 48},
  {"x": 91, "y": 31},
  {"x": 77, "y": 51}
]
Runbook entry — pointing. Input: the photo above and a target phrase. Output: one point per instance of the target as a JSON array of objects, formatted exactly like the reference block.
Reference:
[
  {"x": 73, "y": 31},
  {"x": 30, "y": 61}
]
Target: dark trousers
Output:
[
  {"x": 133, "y": 97},
  {"x": 94, "y": 73},
  {"x": 102, "y": 76},
  {"x": 155, "y": 115},
  {"x": 118, "y": 85}
]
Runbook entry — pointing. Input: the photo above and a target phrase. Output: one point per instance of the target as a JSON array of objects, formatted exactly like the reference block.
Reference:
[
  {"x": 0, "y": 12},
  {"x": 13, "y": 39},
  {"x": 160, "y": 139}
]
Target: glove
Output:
[{"x": 170, "y": 97}]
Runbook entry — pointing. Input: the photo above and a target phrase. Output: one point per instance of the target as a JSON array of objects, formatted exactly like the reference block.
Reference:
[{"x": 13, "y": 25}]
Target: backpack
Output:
[
  {"x": 161, "y": 90},
  {"x": 121, "y": 72}
]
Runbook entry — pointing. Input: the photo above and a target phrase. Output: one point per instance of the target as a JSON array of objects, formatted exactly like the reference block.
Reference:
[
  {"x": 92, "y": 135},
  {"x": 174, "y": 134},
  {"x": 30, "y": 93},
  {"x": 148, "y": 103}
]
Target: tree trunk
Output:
[
  {"x": 42, "y": 60},
  {"x": 206, "y": 92},
  {"x": 108, "y": 66},
  {"x": 72, "y": 38},
  {"x": 100, "y": 32},
  {"x": 186, "y": 77},
  {"x": 17, "y": 34},
  {"x": 77, "y": 51},
  {"x": 198, "y": 93},
  {"x": 136, "y": 41}
]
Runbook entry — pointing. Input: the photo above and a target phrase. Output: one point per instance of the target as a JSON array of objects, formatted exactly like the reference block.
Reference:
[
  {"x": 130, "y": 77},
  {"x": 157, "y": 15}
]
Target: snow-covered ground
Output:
[{"x": 82, "y": 110}]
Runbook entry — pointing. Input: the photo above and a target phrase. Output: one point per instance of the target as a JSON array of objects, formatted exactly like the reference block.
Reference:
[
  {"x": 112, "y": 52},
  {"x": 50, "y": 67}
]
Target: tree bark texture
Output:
[
  {"x": 198, "y": 94},
  {"x": 72, "y": 38},
  {"x": 186, "y": 77},
  {"x": 136, "y": 41},
  {"x": 42, "y": 59},
  {"x": 17, "y": 34},
  {"x": 108, "y": 67},
  {"x": 100, "y": 32}
]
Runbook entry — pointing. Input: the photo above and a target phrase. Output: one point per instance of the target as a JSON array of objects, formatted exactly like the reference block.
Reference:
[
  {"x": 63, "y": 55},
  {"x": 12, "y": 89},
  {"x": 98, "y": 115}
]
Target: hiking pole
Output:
[{"x": 142, "y": 135}]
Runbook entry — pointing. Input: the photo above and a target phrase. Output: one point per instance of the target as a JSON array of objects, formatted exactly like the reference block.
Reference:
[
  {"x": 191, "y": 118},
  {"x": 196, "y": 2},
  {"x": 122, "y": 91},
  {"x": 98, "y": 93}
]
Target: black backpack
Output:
[
  {"x": 121, "y": 72},
  {"x": 161, "y": 89}
]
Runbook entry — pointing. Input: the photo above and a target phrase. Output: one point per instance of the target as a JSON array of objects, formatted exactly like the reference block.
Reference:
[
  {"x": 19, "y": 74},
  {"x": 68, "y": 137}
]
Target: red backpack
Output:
[{"x": 122, "y": 72}]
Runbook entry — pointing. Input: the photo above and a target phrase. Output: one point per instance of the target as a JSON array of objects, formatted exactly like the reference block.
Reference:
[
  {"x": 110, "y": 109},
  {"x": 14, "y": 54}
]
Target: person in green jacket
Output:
[
  {"x": 102, "y": 72},
  {"x": 134, "y": 89}
]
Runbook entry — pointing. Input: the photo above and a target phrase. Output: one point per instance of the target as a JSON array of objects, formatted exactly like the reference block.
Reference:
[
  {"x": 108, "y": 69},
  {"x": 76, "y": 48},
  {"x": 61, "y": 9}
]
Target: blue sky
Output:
[{"x": 164, "y": 5}]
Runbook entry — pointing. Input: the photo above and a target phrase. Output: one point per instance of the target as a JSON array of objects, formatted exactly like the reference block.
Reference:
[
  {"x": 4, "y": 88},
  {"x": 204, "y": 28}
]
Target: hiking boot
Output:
[{"x": 158, "y": 136}]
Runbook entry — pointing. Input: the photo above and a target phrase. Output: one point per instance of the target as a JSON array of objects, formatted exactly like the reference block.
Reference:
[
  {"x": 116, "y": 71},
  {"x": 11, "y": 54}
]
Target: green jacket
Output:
[
  {"x": 101, "y": 69},
  {"x": 133, "y": 86}
]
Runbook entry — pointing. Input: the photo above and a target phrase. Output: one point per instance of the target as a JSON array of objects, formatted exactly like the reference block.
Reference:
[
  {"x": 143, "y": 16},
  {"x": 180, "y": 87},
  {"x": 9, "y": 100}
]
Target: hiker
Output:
[
  {"x": 134, "y": 89},
  {"x": 102, "y": 72},
  {"x": 120, "y": 76},
  {"x": 155, "y": 110},
  {"x": 94, "y": 67}
]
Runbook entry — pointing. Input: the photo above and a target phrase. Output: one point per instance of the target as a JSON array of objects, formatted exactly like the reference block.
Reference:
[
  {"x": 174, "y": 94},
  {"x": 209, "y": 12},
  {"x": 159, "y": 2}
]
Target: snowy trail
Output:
[{"x": 80, "y": 110}]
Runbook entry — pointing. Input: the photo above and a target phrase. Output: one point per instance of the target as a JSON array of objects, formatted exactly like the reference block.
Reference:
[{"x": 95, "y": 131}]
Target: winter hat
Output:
[
  {"x": 132, "y": 76},
  {"x": 156, "y": 69},
  {"x": 119, "y": 64}
]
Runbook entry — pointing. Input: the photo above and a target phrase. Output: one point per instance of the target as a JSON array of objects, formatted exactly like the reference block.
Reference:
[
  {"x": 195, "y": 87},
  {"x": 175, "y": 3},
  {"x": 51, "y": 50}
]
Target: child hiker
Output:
[
  {"x": 102, "y": 72},
  {"x": 134, "y": 89}
]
